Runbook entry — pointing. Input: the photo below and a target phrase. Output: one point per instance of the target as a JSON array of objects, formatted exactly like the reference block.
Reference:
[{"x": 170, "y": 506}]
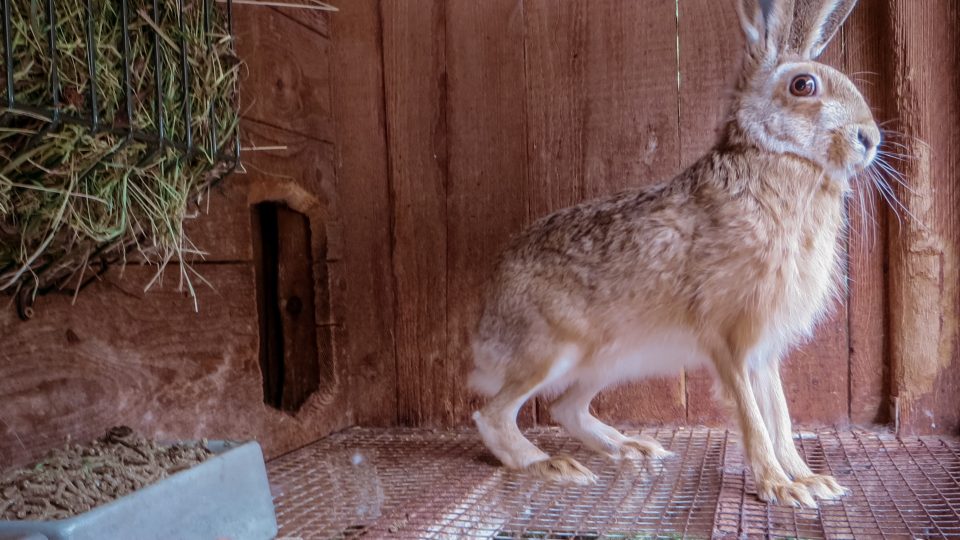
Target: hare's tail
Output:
[{"x": 487, "y": 377}]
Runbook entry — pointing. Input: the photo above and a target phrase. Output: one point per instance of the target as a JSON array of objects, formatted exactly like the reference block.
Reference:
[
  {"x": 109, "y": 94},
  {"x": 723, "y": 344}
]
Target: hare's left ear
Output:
[{"x": 815, "y": 22}]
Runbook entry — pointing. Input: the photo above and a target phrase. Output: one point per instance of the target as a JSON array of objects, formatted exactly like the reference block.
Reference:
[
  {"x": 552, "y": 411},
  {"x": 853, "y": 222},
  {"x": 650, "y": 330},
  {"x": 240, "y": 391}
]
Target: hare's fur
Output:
[{"x": 728, "y": 265}]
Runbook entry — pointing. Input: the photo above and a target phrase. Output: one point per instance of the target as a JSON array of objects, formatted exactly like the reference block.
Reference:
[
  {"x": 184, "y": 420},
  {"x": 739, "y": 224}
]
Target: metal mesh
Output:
[{"x": 406, "y": 483}]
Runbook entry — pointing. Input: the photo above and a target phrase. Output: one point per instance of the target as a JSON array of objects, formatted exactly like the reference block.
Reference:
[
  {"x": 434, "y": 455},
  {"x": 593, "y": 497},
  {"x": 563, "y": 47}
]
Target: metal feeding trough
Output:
[{"x": 227, "y": 496}]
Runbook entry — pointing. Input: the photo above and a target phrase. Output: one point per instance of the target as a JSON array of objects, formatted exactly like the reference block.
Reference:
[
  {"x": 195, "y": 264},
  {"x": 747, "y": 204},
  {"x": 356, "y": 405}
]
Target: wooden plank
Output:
[
  {"x": 925, "y": 252},
  {"x": 287, "y": 68},
  {"x": 486, "y": 191},
  {"x": 122, "y": 356},
  {"x": 304, "y": 371},
  {"x": 632, "y": 138},
  {"x": 219, "y": 226},
  {"x": 298, "y": 172},
  {"x": 815, "y": 375},
  {"x": 555, "y": 64},
  {"x": 869, "y": 370},
  {"x": 316, "y": 20},
  {"x": 363, "y": 189},
  {"x": 556, "y": 98},
  {"x": 415, "y": 81},
  {"x": 710, "y": 48}
]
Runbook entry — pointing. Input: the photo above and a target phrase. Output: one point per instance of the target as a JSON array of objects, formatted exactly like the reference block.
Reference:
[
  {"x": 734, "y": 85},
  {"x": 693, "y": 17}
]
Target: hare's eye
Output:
[{"x": 803, "y": 86}]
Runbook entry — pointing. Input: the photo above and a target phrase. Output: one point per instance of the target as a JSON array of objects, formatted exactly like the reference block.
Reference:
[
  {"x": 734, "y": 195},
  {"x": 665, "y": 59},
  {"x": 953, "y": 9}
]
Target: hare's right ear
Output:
[
  {"x": 766, "y": 27},
  {"x": 815, "y": 24}
]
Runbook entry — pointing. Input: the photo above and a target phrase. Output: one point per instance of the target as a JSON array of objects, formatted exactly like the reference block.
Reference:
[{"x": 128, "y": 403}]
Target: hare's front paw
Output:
[
  {"x": 563, "y": 469},
  {"x": 823, "y": 486},
  {"x": 784, "y": 492}
]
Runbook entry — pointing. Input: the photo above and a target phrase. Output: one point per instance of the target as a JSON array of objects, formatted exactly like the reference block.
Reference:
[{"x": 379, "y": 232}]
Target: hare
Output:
[{"x": 728, "y": 265}]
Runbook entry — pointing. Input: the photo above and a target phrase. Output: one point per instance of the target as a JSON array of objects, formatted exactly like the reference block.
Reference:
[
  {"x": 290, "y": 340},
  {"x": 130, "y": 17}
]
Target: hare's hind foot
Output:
[
  {"x": 642, "y": 447},
  {"x": 823, "y": 487},
  {"x": 562, "y": 469},
  {"x": 572, "y": 410}
]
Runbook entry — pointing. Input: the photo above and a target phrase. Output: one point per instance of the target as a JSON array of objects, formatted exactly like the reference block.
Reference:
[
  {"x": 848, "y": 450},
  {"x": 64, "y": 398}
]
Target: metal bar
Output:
[
  {"x": 158, "y": 79},
  {"x": 8, "y": 51},
  {"x": 54, "y": 68},
  {"x": 212, "y": 107},
  {"x": 92, "y": 68},
  {"x": 236, "y": 138},
  {"x": 127, "y": 82},
  {"x": 185, "y": 83},
  {"x": 137, "y": 135}
]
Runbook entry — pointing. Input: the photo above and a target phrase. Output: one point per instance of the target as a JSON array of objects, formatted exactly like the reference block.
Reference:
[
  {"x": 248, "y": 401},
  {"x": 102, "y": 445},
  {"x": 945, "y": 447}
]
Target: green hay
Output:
[{"x": 72, "y": 200}]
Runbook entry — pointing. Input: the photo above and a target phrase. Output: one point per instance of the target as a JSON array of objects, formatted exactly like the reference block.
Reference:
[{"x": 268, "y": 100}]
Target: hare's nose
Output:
[{"x": 869, "y": 137}]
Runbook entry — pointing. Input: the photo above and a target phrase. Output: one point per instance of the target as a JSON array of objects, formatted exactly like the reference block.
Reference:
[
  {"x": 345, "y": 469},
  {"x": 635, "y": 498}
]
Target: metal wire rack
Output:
[
  {"x": 407, "y": 483},
  {"x": 157, "y": 140},
  {"x": 53, "y": 114}
]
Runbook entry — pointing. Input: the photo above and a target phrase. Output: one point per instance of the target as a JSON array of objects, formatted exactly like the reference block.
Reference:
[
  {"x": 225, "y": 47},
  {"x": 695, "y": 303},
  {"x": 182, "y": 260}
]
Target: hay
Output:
[{"x": 83, "y": 183}]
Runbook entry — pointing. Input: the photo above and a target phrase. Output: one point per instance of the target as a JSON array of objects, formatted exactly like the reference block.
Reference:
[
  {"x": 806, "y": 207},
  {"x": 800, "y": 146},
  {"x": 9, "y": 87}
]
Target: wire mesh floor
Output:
[{"x": 407, "y": 483}]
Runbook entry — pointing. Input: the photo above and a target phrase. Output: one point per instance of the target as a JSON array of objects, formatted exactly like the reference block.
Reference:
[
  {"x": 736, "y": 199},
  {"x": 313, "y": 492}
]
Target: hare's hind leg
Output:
[
  {"x": 773, "y": 406},
  {"x": 572, "y": 411},
  {"x": 497, "y": 423}
]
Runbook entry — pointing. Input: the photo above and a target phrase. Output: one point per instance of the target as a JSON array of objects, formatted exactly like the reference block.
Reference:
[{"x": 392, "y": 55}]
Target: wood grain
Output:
[
  {"x": 304, "y": 371},
  {"x": 219, "y": 226},
  {"x": 287, "y": 72},
  {"x": 122, "y": 356},
  {"x": 925, "y": 252},
  {"x": 710, "y": 47},
  {"x": 414, "y": 44},
  {"x": 313, "y": 19},
  {"x": 555, "y": 58},
  {"x": 363, "y": 189},
  {"x": 632, "y": 138},
  {"x": 869, "y": 382},
  {"x": 556, "y": 104},
  {"x": 486, "y": 184}
]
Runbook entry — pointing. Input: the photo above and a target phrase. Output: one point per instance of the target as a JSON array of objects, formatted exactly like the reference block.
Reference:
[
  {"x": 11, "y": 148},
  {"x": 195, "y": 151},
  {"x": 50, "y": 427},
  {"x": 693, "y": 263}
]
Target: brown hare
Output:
[{"x": 728, "y": 265}]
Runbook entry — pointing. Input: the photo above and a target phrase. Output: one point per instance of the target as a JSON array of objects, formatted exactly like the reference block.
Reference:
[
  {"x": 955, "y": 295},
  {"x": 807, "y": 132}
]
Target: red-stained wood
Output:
[
  {"x": 364, "y": 195},
  {"x": 556, "y": 103},
  {"x": 219, "y": 226},
  {"x": 486, "y": 186},
  {"x": 555, "y": 68},
  {"x": 924, "y": 252},
  {"x": 864, "y": 46},
  {"x": 710, "y": 47},
  {"x": 286, "y": 80},
  {"x": 304, "y": 370},
  {"x": 414, "y": 42},
  {"x": 631, "y": 138},
  {"x": 283, "y": 86},
  {"x": 122, "y": 356},
  {"x": 316, "y": 20}
]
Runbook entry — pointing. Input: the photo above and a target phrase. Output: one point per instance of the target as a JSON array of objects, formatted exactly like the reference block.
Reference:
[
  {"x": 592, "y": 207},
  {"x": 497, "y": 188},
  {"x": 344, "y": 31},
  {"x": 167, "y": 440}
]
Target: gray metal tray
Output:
[{"x": 225, "y": 497}]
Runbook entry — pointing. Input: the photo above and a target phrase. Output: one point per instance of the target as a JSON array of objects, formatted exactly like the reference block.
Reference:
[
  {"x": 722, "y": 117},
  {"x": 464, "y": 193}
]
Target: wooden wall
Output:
[
  {"x": 418, "y": 136},
  {"x": 498, "y": 112},
  {"x": 119, "y": 355}
]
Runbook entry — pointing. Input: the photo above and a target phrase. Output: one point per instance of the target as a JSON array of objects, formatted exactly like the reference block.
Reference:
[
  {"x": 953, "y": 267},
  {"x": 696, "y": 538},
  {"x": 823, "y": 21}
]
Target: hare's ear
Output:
[
  {"x": 766, "y": 26},
  {"x": 815, "y": 24}
]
